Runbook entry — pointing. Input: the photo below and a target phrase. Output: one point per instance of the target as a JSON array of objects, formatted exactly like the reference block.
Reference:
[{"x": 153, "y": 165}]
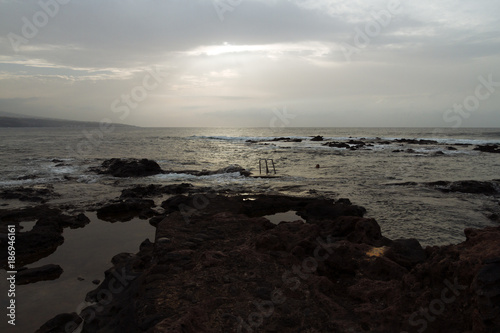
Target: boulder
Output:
[
  {"x": 118, "y": 167},
  {"x": 317, "y": 138}
]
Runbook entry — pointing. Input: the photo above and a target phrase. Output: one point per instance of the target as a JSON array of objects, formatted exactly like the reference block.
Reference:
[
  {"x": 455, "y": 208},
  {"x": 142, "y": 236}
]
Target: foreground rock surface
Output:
[{"x": 224, "y": 268}]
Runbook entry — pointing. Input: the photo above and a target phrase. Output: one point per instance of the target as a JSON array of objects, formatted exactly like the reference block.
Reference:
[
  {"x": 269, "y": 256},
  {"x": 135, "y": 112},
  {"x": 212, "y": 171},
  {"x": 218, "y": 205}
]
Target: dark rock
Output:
[
  {"x": 406, "y": 252},
  {"x": 43, "y": 273},
  {"x": 32, "y": 194},
  {"x": 336, "y": 273},
  {"x": 487, "y": 287},
  {"x": 141, "y": 191},
  {"x": 466, "y": 186},
  {"x": 66, "y": 322},
  {"x": 438, "y": 153},
  {"x": 96, "y": 282},
  {"x": 45, "y": 236},
  {"x": 317, "y": 138},
  {"x": 417, "y": 142},
  {"x": 27, "y": 177},
  {"x": 128, "y": 167},
  {"x": 451, "y": 148},
  {"x": 126, "y": 210},
  {"x": 491, "y": 148},
  {"x": 337, "y": 145}
]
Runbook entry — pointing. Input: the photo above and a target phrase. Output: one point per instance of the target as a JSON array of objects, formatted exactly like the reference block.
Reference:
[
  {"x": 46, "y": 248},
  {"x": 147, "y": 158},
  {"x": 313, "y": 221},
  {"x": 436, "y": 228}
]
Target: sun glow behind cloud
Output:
[{"x": 264, "y": 54}]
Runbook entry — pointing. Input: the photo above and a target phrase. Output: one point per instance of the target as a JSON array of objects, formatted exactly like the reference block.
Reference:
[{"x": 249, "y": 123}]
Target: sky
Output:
[{"x": 253, "y": 63}]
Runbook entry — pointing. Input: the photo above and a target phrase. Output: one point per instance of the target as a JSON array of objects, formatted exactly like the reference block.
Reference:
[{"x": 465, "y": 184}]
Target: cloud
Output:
[{"x": 263, "y": 53}]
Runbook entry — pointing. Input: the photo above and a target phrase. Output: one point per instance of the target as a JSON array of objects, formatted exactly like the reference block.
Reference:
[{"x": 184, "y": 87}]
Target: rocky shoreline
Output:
[
  {"x": 223, "y": 267},
  {"x": 217, "y": 264}
]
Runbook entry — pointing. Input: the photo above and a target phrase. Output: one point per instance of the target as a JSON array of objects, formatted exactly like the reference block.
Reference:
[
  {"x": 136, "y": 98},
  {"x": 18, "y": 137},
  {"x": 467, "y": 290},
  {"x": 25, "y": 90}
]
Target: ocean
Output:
[
  {"x": 364, "y": 175},
  {"x": 385, "y": 176}
]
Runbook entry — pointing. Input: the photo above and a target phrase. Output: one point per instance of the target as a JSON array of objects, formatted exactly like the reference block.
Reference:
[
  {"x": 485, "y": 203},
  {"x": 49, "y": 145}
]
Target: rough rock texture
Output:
[
  {"x": 222, "y": 268},
  {"x": 34, "y": 194},
  {"x": 129, "y": 167}
]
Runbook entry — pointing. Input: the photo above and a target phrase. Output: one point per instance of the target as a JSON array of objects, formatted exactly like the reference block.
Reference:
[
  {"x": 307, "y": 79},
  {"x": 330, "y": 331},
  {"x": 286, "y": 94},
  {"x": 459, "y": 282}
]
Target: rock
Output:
[
  {"x": 490, "y": 148},
  {"x": 66, "y": 322},
  {"x": 336, "y": 273},
  {"x": 406, "y": 252},
  {"x": 417, "y": 142},
  {"x": 96, "y": 282},
  {"x": 438, "y": 153},
  {"x": 45, "y": 236},
  {"x": 317, "y": 138},
  {"x": 43, "y": 273},
  {"x": 126, "y": 210},
  {"x": 33, "y": 194},
  {"x": 337, "y": 145},
  {"x": 229, "y": 169},
  {"x": 141, "y": 191},
  {"x": 128, "y": 167},
  {"x": 466, "y": 186},
  {"x": 451, "y": 148},
  {"x": 486, "y": 284}
]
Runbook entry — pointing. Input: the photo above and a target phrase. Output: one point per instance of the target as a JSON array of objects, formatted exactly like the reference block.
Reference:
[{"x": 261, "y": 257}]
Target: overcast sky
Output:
[{"x": 253, "y": 62}]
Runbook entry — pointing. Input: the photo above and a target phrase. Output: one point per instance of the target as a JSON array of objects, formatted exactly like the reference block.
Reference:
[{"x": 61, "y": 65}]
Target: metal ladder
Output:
[{"x": 267, "y": 166}]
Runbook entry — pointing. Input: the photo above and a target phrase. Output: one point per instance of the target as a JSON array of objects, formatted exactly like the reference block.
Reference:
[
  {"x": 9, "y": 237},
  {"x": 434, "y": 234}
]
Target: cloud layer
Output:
[{"x": 230, "y": 62}]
